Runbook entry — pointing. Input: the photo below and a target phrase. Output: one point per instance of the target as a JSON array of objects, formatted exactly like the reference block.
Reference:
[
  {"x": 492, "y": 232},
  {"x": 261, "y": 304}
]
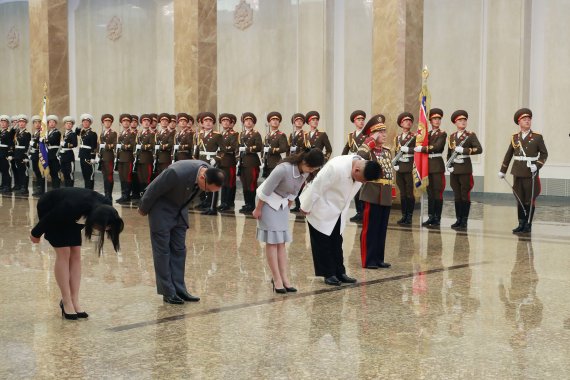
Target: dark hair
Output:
[
  {"x": 214, "y": 176},
  {"x": 371, "y": 170},
  {"x": 313, "y": 158},
  {"x": 107, "y": 219}
]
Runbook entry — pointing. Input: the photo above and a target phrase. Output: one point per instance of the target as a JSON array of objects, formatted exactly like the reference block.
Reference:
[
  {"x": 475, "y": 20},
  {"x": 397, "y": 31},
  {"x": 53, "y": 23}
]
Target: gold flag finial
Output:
[
  {"x": 45, "y": 88},
  {"x": 425, "y": 73}
]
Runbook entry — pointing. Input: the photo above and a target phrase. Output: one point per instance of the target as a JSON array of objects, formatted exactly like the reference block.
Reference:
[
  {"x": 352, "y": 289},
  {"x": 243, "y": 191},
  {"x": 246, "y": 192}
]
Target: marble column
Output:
[
  {"x": 397, "y": 45},
  {"x": 49, "y": 61},
  {"x": 195, "y": 56}
]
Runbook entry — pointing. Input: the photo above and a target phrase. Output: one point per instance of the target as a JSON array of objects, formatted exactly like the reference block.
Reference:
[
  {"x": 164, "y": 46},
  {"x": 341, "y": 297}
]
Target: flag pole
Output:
[{"x": 44, "y": 115}]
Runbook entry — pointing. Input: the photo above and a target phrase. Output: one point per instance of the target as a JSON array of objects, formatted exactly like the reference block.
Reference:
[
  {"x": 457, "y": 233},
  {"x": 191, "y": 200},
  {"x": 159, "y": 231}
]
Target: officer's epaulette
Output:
[
  {"x": 386, "y": 147},
  {"x": 216, "y": 132},
  {"x": 535, "y": 133},
  {"x": 469, "y": 133}
]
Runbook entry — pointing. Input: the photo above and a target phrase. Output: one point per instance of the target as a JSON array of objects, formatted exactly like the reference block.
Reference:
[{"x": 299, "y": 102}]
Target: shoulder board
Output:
[
  {"x": 216, "y": 132},
  {"x": 385, "y": 147},
  {"x": 535, "y": 133},
  {"x": 469, "y": 133},
  {"x": 515, "y": 134}
]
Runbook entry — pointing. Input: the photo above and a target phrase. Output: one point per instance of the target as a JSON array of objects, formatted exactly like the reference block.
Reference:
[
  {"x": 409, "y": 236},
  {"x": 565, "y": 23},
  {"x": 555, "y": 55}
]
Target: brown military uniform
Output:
[
  {"x": 185, "y": 142},
  {"x": 228, "y": 163},
  {"x": 249, "y": 164},
  {"x": 209, "y": 146},
  {"x": 146, "y": 141},
  {"x": 297, "y": 142},
  {"x": 277, "y": 144},
  {"x": 353, "y": 142},
  {"x": 128, "y": 141},
  {"x": 319, "y": 140},
  {"x": 404, "y": 176},
  {"x": 164, "y": 144},
  {"x": 462, "y": 177},
  {"x": 436, "y": 145},
  {"x": 109, "y": 138}
]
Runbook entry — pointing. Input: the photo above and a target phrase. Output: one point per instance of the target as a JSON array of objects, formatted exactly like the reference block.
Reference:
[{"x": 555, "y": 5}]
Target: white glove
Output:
[
  {"x": 533, "y": 168},
  {"x": 405, "y": 149},
  {"x": 459, "y": 149},
  {"x": 418, "y": 149},
  {"x": 396, "y": 167},
  {"x": 212, "y": 162},
  {"x": 501, "y": 175},
  {"x": 176, "y": 147},
  {"x": 293, "y": 149},
  {"x": 95, "y": 160},
  {"x": 242, "y": 148},
  {"x": 62, "y": 143},
  {"x": 119, "y": 146},
  {"x": 157, "y": 147},
  {"x": 138, "y": 146},
  {"x": 101, "y": 146},
  {"x": 265, "y": 149},
  {"x": 25, "y": 160},
  {"x": 451, "y": 169},
  {"x": 9, "y": 158}
]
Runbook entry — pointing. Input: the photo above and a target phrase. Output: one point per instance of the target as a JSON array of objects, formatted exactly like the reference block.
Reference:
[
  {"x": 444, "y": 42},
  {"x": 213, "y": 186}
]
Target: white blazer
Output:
[{"x": 329, "y": 195}]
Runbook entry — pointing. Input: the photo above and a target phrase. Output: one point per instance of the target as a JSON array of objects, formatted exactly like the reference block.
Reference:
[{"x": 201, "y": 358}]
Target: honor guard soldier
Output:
[
  {"x": 316, "y": 138},
  {"x": 6, "y": 153},
  {"x": 354, "y": 140},
  {"x": 437, "y": 139},
  {"x": 404, "y": 144},
  {"x": 228, "y": 161},
  {"x": 297, "y": 143},
  {"x": 87, "y": 150},
  {"x": 39, "y": 183},
  {"x": 135, "y": 186},
  {"x": 209, "y": 145},
  {"x": 21, "y": 145},
  {"x": 126, "y": 143},
  {"x": 184, "y": 147},
  {"x": 462, "y": 145},
  {"x": 164, "y": 143},
  {"x": 529, "y": 152},
  {"x": 275, "y": 144},
  {"x": 153, "y": 122},
  {"x": 376, "y": 195},
  {"x": 134, "y": 123},
  {"x": 14, "y": 129},
  {"x": 53, "y": 145},
  {"x": 144, "y": 157},
  {"x": 250, "y": 144},
  {"x": 14, "y": 121},
  {"x": 66, "y": 154},
  {"x": 107, "y": 146}
]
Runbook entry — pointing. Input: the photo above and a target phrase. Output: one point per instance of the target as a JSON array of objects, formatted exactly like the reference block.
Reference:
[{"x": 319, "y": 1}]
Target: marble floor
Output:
[{"x": 478, "y": 305}]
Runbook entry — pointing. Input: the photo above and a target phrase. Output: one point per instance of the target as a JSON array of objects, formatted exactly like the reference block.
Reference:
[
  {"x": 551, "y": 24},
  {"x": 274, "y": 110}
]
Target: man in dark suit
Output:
[{"x": 166, "y": 201}]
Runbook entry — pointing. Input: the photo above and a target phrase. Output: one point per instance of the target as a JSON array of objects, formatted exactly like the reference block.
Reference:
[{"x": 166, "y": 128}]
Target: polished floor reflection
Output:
[{"x": 482, "y": 304}]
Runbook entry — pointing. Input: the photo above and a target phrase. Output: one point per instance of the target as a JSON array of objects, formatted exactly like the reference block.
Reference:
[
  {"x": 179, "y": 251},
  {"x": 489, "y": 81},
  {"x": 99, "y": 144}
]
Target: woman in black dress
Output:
[{"x": 61, "y": 213}]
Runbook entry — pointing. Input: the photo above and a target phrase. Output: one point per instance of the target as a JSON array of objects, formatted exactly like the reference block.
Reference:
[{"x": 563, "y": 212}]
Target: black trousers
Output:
[
  {"x": 373, "y": 234},
  {"x": 54, "y": 168},
  {"x": 67, "y": 169},
  {"x": 327, "y": 252},
  {"x": 5, "y": 170},
  {"x": 88, "y": 174},
  {"x": 22, "y": 173}
]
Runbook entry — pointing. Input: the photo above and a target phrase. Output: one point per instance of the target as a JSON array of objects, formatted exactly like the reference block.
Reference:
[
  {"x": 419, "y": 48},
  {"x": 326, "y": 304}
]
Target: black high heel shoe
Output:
[
  {"x": 82, "y": 314},
  {"x": 290, "y": 289},
  {"x": 277, "y": 290},
  {"x": 65, "y": 315}
]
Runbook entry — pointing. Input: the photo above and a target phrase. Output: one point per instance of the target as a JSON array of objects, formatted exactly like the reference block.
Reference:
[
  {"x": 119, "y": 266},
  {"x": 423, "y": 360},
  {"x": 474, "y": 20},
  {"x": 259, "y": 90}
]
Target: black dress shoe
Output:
[
  {"x": 290, "y": 289},
  {"x": 188, "y": 297},
  {"x": 384, "y": 265},
  {"x": 72, "y": 317},
  {"x": 356, "y": 218},
  {"x": 210, "y": 211},
  {"x": 82, "y": 314},
  {"x": 333, "y": 281},
  {"x": 372, "y": 267},
  {"x": 173, "y": 299},
  {"x": 344, "y": 278}
]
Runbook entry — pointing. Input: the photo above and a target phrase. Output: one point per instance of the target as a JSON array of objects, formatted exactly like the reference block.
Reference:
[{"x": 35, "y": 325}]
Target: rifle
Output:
[
  {"x": 100, "y": 165},
  {"x": 116, "y": 163},
  {"x": 155, "y": 162},
  {"x": 240, "y": 154},
  {"x": 264, "y": 168},
  {"x": 137, "y": 154},
  {"x": 400, "y": 153},
  {"x": 453, "y": 155},
  {"x": 176, "y": 146}
]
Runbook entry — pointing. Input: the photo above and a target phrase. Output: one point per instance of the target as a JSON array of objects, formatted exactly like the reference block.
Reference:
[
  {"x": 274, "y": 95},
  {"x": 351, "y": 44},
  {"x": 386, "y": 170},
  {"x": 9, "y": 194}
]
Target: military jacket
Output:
[
  {"x": 530, "y": 149},
  {"x": 297, "y": 142},
  {"x": 87, "y": 143},
  {"x": 22, "y": 144},
  {"x": 406, "y": 162},
  {"x": 53, "y": 143},
  {"x": 165, "y": 140},
  {"x": 353, "y": 142},
  {"x": 146, "y": 140},
  {"x": 472, "y": 146},
  {"x": 109, "y": 139},
  {"x": 436, "y": 145},
  {"x": 68, "y": 142},
  {"x": 380, "y": 190},
  {"x": 6, "y": 142},
  {"x": 253, "y": 144},
  {"x": 230, "y": 148},
  {"x": 128, "y": 140},
  {"x": 35, "y": 145},
  {"x": 209, "y": 146},
  {"x": 321, "y": 141},
  {"x": 277, "y": 144}
]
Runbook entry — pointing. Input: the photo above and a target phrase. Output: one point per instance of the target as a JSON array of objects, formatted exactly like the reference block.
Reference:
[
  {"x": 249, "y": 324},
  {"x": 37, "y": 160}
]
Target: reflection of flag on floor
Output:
[
  {"x": 421, "y": 159},
  {"x": 43, "y": 162}
]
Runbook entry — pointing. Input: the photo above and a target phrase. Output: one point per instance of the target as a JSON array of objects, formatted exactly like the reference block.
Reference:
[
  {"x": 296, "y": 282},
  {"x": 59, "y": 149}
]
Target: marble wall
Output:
[{"x": 15, "y": 91}]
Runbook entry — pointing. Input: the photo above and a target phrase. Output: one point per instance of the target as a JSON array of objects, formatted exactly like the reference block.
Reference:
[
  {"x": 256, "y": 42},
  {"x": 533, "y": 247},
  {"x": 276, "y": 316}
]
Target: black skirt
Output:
[{"x": 65, "y": 235}]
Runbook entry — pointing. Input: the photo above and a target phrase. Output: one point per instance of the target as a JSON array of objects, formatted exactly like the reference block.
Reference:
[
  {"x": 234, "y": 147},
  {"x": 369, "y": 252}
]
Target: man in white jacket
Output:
[{"x": 325, "y": 202}]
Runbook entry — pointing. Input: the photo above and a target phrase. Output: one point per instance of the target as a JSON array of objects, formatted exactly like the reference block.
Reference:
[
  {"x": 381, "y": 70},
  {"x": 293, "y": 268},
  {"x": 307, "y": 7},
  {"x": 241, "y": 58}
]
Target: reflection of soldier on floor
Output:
[{"x": 522, "y": 306}]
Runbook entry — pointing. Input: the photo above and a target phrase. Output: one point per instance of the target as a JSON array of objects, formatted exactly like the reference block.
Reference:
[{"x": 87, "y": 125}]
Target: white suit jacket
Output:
[{"x": 329, "y": 195}]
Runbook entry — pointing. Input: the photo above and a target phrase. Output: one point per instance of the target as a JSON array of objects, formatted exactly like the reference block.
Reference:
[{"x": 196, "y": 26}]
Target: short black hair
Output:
[
  {"x": 215, "y": 176},
  {"x": 372, "y": 170}
]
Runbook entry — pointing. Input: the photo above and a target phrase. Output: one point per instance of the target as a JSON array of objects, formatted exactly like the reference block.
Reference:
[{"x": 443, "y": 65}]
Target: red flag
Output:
[{"x": 421, "y": 169}]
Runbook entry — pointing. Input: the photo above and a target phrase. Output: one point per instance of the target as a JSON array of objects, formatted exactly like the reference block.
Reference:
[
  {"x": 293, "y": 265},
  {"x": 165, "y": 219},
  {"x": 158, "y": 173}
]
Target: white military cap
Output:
[
  {"x": 69, "y": 118},
  {"x": 5, "y": 117},
  {"x": 53, "y": 117},
  {"x": 36, "y": 118},
  {"x": 86, "y": 116},
  {"x": 23, "y": 117},
  {"x": 15, "y": 117}
]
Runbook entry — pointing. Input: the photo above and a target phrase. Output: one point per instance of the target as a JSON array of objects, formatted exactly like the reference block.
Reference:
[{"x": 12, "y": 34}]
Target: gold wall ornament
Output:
[
  {"x": 13, "y": 38},
  {"x": 243, "y": 15},
  {"x": 114, "y": 28}
]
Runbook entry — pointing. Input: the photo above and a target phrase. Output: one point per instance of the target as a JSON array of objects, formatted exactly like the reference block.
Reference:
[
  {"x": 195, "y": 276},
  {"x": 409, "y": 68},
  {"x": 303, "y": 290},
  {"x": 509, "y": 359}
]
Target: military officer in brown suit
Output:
[
  {"x": 316, "y": 138},
  {"x": 145, "y": 147},
  {"x": 275, "y": 144},
  {"x": 135, "y": 186},
  {"x": 208, "y": 149},
  {"x": 466, "y": 144},
  {"x": 405, "y": 143},
  {"x": 228, "y": 161},
  {"x": 353, "y": 142},
  {"x": 250, "y": 144},
  {"x": 184, "y": 146},
  {"x": 298, "y": 142},
  {"x": 530, "y": 154},
  {"x": 126, "y": 144},
  {"x": 164, "y": 143},
  {"x": 107, "y": 143},
  {"x": 437, "y": 139},
  {"x": 376, "y": 195}
]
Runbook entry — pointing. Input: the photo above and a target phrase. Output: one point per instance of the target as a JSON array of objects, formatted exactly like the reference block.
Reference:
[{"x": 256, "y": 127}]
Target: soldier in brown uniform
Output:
[
  {"x": 466, "y": 144},
  {"x": 376, "y": 195},
  {"x": 275, "y": 144},
  {"x": 405, "y": 143},
  {"x": 298, "y": 142},
  {"x": 184, "y": 146},
  {"x": 135, "y": 186},
  {"x": 228, "y": 162},
  {"x": 250, "y": 144},
  {"x": 437, "y": 139},
  {"x": 208, "y": 148},
  {"x": 353, "y": 142},
  {"x": 164, "y": 143},
  {"x": 316, "y": 138},
  {"x": 530, "y": 154},
  {"x": 145, "y": 147},
  {"x": 107, "y": 143},
  {"x": 126, "y": 144}
]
